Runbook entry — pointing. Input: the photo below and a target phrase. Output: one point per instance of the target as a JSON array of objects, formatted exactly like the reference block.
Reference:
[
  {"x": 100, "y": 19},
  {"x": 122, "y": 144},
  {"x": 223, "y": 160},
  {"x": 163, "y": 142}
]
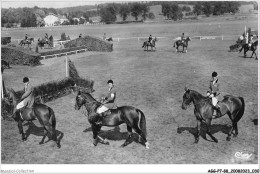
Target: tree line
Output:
[
  {"x": 33, "y": 17},
  {"x": 172, "y": 10},
  {"x": 108, "y": 12}
]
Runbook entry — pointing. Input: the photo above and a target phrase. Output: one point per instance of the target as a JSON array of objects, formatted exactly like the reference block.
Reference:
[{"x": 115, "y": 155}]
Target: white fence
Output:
[
  {"x": 66, "y": 53},
  {"x": 222, "y": 37}
]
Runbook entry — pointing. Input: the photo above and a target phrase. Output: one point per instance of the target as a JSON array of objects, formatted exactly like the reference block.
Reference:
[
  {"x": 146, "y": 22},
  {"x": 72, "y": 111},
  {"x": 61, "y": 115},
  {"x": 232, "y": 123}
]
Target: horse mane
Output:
[
  {"x": 205, "y": 98},
  {"x": 11, "y": 90}
]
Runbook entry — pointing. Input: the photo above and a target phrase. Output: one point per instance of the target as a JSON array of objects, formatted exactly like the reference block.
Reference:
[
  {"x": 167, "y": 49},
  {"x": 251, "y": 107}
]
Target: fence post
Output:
[{"x": 67, "y": 67}]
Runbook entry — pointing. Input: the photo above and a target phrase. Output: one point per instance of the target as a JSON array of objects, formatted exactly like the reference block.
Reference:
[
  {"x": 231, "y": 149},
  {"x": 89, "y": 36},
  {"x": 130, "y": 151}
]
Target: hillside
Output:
[{"x": 78, "y": 8}]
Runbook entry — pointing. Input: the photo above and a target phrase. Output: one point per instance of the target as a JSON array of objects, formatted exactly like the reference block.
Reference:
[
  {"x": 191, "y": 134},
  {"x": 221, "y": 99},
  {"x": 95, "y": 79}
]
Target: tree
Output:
[
  {"x": 124, "y": 11},
  {"x": 197, "y": 9},
  {"x": 108, "y": 13},
  {"x": 166, "y": 8},
  {"x": 207, "y": 9},
  {"x": 136, "y": 10},
  {"x": 151, "y": 16},
  {"x": 144, "y": 10}
]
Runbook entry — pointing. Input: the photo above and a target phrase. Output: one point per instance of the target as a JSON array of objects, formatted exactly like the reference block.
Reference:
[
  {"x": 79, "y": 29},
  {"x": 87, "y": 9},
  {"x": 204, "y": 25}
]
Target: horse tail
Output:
[
  {"x": 52, "y": 118},
  {"x": 142, "y": 123},
  {"x": 241, "y": 111}
]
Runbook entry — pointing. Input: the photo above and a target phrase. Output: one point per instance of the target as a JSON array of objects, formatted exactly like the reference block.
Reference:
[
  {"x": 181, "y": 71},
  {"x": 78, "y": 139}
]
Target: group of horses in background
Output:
[
  {"x": 41, "y": 42},
  {"x": 176, "y": 44}
]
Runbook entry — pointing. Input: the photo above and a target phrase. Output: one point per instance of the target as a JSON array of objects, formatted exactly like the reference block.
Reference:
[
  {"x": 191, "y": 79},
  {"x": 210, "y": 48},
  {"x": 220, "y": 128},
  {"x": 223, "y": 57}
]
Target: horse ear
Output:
[{"x": 186, "y": 89}]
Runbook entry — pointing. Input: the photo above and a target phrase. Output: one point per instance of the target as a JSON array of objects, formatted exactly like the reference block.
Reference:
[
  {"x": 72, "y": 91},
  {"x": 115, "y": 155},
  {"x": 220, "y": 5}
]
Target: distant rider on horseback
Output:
[
  {"x": 214, "y": 92},
  {"x": 46, "y": 37},
  {"x": 250, "y": 41},
  {"x": 150, "y": 39},
  {"x": 26, "y": 37},
  {"x": 27, "y": 98},
  {"x": 109, "y": 101}
]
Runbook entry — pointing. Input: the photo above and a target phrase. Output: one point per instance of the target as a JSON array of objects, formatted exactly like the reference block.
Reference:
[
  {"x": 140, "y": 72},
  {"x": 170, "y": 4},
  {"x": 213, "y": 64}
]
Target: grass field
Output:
[{"x": 151, "y": 81}]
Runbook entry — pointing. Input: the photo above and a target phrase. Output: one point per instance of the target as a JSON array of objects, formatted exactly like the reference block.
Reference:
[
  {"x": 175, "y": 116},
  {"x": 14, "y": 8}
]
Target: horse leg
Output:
[
  {"x": 52, "y": 133},
  {"x": 20, "y": 127},
  {"x": 95, "y": 133},
  {"x": 140, "y": 133},
  {"x": 128, "y": 140},
  {"x": 45, "y": 135},
  {"x": 208, "y": 123},
  {"x": 198, "y": 132}
]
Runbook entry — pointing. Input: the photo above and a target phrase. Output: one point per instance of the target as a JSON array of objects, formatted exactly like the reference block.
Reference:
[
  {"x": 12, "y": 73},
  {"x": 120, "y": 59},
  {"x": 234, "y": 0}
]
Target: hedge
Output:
[
  {"x": 5, "y": 40},
  {"x": 92, "y": 44},
  {"x": 20, "y": 56},
  {"x": 52, "y": 90}
]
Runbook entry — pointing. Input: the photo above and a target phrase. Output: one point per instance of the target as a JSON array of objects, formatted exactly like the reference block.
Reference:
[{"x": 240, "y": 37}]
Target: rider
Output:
[
  {"x": 27, "y": 98},
  {"x": 150, "y": 39},
  {"x": 46, "y": 37},
  {"x": 104, "y": 36},
  {"x": 214, "y": 92},
  {"x": 109, "y": 101},
  {"x": 80, "y": 35},
  {"x": 250, "y": 40},
  {"x": 182, "y": 38},
  {"x": 26, "y": 37}
]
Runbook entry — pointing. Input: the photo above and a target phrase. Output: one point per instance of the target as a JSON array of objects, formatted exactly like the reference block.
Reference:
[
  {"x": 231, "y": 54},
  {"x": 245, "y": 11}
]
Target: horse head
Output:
[
  {"x": 186, "y": 99},
  {"x": 79, "y": 101},
  {"x": 12, "y": 96},
  {"x": 188, "y": 39}
]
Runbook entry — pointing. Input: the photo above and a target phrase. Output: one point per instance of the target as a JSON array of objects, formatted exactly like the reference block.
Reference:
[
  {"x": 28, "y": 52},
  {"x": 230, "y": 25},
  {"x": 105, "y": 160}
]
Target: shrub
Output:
[
  {"x": 20, "y": 56},
  {"x": 5, "y": 40},
  {"x": 92, "y": 44}
]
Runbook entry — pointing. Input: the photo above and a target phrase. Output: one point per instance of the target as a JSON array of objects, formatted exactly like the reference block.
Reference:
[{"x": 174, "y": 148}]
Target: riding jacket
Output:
[
  {"x": 28, "y": 96},
  {"x": 111, "y": 102}
]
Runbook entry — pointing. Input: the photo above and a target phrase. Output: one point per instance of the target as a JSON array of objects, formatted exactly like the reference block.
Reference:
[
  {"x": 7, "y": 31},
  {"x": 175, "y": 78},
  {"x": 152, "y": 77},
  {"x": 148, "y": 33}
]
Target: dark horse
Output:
[
  {"x": 133, "y": 117},
  {"x": 43, "y": 41},
  {"x": 234, "y": 107},
  {"x": 109, "y": 39},
  {"x": 147, "y": 44},
  {"x": 44, "y": 114},
  {"x": 253, "y": 48},
  {"x": 184, "y": 44},
  {"x": 29, "y": 41},
  {"x": 5, "y": 64}
]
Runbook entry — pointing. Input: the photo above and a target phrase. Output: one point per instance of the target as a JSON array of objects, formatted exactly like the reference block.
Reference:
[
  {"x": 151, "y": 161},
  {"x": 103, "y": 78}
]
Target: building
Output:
[
  {"x": 50, "y": 19},
  {"x": 53, "y": 19}
]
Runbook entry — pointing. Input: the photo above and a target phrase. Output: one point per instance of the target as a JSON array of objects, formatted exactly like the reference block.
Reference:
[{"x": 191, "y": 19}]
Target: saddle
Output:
[{"x": 30, "y": 110}]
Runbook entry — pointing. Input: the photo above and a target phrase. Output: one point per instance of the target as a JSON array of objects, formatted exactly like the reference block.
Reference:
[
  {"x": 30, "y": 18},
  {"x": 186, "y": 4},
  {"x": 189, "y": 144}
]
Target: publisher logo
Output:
[{"x": 243, "y": 156}]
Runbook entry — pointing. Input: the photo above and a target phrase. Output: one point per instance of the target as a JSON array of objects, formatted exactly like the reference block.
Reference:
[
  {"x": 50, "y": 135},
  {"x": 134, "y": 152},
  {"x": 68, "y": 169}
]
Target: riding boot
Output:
[{"x": 217, "y": 108}]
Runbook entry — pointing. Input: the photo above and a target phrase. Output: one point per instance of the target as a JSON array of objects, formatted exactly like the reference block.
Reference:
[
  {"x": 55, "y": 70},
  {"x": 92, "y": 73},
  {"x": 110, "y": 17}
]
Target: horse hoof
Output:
[
  {"x": 216, "y": 141},
  {"x": 58, "y": 145},
  {"x": 123, "y": 145},
  {"x": 228, "y": 138}
]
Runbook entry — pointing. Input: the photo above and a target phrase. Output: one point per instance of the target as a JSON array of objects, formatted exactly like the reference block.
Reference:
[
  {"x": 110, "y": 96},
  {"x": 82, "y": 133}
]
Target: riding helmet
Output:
[
  {"x": 110, "y": 81},
  {"x": 25, "y": 79},
  {"x": 214, "y": 74}
]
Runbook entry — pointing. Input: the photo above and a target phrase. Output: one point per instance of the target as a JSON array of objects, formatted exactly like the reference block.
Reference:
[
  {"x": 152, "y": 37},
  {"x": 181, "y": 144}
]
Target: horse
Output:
[
  {"x": 29, "y": 41},
  {"x": 43, "y": 41},
  {"x": 109, "y": 39},
  {"x": 134, "y": 119},
  {"x": 44, "y": 114},
  {"x": 184, "y": 44},
  {"x": 253, "y": 48},
  {"x": 233, "y": 106},
  {"x": 146, "y": 44}
]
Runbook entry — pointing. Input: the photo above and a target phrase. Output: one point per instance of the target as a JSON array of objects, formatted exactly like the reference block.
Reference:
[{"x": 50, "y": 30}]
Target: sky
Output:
[{"x": 50, "y": 3}]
